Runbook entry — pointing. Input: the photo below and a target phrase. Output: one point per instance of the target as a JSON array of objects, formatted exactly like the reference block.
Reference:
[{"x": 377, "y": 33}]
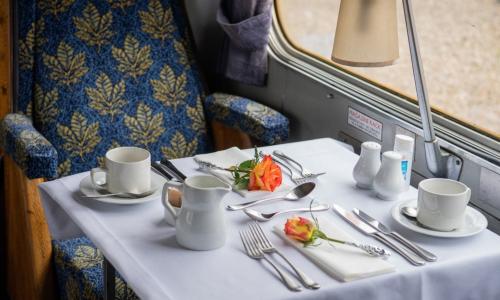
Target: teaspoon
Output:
[
  {"x": 297, "y": 193},
  {"x": 409, "y": 212},
  {"x": 263, "y": 217},
  {"x": 122, "y": 195}
]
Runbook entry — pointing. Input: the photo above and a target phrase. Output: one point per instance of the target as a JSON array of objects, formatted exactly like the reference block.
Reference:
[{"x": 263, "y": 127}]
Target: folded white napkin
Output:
[
  {"x": 342, "y": 262},
  {"x": 233, "y": 157}
]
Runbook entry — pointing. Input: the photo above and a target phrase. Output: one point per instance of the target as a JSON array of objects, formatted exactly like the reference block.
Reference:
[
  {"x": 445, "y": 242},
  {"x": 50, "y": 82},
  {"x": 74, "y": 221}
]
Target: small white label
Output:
[{"x": 365, "y": 123}]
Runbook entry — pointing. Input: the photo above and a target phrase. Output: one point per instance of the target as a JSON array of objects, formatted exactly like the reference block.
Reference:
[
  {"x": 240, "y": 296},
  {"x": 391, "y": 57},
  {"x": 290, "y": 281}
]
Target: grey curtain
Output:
[{"x": 244, "y": 56}]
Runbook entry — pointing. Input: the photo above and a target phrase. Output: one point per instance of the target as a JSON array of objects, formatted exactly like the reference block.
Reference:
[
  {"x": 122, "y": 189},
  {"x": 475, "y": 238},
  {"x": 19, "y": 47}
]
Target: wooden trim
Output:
[
  {"x": 29, "y": 250},
  {"x": 5, "y": 58}
]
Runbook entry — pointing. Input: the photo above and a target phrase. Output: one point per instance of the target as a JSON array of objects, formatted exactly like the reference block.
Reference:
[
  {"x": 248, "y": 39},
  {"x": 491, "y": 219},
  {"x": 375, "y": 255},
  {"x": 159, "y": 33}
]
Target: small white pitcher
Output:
[{"x": 200, "y": 222}]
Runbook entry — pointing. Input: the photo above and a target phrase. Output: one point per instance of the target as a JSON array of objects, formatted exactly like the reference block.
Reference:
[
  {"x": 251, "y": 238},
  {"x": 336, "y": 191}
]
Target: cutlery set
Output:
[
  {"x": 413, "y": 253},
  {"x": 383, "y": 229}
]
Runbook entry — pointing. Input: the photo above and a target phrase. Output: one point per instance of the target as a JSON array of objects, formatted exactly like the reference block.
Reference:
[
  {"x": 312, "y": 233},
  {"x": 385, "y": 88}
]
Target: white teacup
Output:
[
  {"x": 127, "y": 170},
  {"x": 441, "y": 203}
]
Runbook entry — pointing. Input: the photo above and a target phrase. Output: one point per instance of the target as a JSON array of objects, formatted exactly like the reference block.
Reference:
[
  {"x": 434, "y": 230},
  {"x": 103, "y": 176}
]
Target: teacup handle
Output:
[
  {"x": 164, "y": 196},
  {"x": 95, "y": 171}
]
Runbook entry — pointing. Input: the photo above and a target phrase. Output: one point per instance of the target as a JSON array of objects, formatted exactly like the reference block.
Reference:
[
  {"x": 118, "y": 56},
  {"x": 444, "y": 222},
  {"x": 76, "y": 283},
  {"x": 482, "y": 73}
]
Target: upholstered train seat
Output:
[
  {"x": 80, "y": 271},
  {"x": 94, "y": 75}
]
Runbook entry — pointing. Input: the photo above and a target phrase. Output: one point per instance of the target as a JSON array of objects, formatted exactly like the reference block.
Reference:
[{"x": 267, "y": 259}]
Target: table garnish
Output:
[
  {"x": 308, "y": 233},
  {"x": 257, "y": 174}
]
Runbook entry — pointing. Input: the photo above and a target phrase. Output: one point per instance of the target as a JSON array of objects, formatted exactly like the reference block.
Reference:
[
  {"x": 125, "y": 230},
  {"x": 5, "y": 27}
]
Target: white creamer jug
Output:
[{"x": 200, "y": 222}]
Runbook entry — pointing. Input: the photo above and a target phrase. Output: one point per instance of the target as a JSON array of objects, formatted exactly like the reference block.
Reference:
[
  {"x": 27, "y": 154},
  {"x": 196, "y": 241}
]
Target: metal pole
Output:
[{"x": 436, "y": 161}]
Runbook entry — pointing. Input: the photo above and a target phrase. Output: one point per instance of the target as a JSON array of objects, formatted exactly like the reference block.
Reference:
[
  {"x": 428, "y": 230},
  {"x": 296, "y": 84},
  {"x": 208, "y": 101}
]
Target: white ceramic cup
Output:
[
  {"x": 441, "y": 203},
  {"x": 127, "y": 170}
]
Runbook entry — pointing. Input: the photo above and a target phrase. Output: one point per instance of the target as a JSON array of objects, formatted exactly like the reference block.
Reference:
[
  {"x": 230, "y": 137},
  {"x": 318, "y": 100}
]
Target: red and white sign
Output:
[{"x": 365, "y": 123}]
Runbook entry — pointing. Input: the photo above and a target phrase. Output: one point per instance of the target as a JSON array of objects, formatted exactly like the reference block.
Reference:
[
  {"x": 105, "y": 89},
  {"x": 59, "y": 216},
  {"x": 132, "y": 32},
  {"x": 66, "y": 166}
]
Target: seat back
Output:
[{"x": 95, "y": 75}]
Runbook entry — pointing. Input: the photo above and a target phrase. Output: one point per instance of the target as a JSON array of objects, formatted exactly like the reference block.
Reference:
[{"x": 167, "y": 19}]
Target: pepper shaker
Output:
[
  {"x": 367, "y": 166},
  {"x": 389, "y": 181}
]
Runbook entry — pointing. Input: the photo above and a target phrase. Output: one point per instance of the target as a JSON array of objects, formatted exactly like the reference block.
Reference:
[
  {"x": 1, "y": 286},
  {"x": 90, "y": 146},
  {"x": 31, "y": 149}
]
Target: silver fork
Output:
[
  {"x": 297, "y": 179},
  {"x": 267, "y": 247},
  {"x": 255, "y": 252},
  {"x": 305, "y": 173}
]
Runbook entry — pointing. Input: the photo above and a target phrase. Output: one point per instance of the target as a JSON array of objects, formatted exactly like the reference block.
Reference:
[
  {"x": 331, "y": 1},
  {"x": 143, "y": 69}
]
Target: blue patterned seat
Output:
[
  {"x": 94, "y": 75},
  {"x": 260, "y": 121},
  {"x": 120, "y": 73},
  {"x": 80, "y": 271}
]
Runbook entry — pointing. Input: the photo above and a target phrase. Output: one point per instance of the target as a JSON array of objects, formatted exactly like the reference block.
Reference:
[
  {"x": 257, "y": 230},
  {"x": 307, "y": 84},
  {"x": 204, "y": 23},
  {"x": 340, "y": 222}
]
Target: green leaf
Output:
[
  {"x": 247, "y": 165},
  {"x": 242, "y": 184}
]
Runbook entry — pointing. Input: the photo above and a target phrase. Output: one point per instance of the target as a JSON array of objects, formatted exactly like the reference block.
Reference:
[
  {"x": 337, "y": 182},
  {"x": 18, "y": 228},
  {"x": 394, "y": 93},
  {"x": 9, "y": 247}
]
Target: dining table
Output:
[{"x": 142, "y": 247}]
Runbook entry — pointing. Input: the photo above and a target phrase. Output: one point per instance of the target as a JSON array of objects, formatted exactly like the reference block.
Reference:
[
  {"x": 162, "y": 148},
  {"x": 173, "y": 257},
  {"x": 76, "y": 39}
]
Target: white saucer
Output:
[
  {"x": 88, "y": 189},
  {"x": 475, "y": 222}
]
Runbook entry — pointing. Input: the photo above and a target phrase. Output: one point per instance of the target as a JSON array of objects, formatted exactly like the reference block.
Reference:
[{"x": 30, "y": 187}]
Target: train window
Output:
[{"x": 459, "y": 44}]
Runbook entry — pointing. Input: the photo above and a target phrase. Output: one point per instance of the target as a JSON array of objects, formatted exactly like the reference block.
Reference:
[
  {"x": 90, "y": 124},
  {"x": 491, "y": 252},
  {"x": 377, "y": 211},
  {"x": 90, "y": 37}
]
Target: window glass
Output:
[{"x": 459, "y": 45}]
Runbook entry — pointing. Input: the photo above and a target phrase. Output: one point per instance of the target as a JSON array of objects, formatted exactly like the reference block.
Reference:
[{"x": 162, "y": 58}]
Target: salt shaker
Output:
[
  {"x": 389, "y": 181},
  {"x": 367, "y": 166}
]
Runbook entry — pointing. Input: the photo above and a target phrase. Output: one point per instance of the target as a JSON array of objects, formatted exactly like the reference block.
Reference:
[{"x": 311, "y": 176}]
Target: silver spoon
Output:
[
  {"x": 409, "y": 212},
  {"x": 263, "y": 217},
  {"x": 297, "y": 193},
  {"x": 123, "y": 195}
]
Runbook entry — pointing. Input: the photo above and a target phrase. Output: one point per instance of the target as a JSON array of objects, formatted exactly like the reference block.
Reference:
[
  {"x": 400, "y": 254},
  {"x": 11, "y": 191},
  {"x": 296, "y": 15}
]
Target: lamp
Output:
[{"x": 366, "y": 36}]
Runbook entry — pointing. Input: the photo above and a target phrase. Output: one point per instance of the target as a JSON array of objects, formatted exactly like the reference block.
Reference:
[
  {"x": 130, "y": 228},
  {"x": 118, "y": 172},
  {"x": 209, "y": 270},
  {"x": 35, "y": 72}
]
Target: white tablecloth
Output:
[{"x": 142, "y": 247}]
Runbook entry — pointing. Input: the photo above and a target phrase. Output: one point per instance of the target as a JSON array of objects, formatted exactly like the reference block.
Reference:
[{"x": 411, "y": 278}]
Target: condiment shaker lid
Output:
[
  {"x": 371, "y": 146},
  {"x": 403, "y": 143}
]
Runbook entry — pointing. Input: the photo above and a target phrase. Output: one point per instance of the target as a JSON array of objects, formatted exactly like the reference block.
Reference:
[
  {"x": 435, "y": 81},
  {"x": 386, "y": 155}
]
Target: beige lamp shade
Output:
[{"x": 366, "y": 34}]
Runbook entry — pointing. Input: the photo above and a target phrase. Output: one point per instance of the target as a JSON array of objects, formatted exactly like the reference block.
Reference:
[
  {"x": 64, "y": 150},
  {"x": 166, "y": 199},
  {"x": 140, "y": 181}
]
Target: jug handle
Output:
[{"x": 164, "y": 196}]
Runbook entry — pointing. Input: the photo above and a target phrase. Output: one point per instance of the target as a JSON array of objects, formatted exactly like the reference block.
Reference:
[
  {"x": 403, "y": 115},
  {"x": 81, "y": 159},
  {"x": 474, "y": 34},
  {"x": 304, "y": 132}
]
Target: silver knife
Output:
[
  {"x": 368, "y": 230},
  {"x": 428, "y": 256}
]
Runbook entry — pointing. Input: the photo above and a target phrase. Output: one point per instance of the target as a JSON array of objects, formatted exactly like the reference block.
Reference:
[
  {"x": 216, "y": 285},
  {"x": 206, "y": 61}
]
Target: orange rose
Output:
[
  {"x": 300, "y": 229},
  {"x": 265, "y": 176},
  {"x": 308, "y": 233}
]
